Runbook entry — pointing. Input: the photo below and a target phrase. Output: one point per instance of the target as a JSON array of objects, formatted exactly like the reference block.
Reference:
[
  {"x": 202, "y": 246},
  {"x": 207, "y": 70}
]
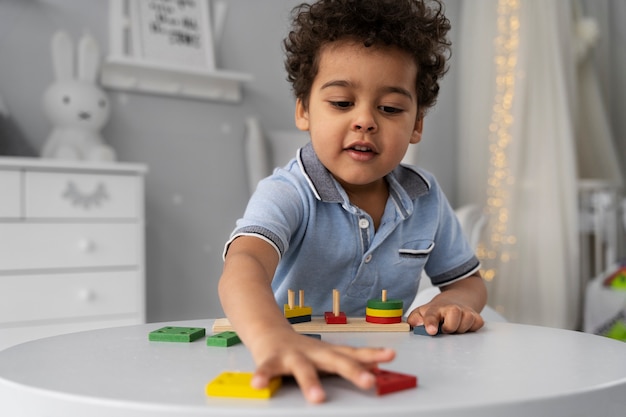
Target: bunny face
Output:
[
  {"x": 77, "y": 107},
  {"x": 76, "y": 104}
]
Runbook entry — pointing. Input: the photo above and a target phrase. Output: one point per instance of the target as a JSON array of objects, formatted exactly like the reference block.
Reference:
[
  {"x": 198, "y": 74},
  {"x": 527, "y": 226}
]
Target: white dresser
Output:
[{"x": 72, "y": 247}]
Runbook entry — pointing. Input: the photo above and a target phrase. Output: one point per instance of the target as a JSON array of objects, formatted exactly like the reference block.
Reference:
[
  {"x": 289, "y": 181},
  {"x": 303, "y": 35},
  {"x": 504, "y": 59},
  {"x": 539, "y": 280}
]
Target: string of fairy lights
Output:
[{"x": 497, "y": 244}]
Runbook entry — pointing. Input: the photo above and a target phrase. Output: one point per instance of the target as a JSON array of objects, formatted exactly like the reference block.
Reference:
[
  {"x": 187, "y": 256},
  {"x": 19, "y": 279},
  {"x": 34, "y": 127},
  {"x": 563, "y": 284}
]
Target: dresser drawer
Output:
[
  {"x": 73, "y": 195},
  {"x": 26, "y": 246},
  {"x": 10, "y": 194},
  {"x": 58, "y": 296}
]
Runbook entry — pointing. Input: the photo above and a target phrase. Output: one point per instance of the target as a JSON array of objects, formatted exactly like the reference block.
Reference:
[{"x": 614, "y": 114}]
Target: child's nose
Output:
[{"x": 365, "y": 122}]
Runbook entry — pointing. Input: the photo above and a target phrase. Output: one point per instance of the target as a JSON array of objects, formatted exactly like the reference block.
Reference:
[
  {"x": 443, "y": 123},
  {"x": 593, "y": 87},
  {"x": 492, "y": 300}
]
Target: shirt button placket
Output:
[{"x": 364, "y": 225}]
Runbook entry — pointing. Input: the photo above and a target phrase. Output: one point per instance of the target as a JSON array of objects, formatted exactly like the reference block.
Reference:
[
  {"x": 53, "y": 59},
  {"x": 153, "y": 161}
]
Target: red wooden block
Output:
[
  {"x": 383, "y": 320},
  {"x": 388, "y": 382},
  {"x": 332, "y": 319}
]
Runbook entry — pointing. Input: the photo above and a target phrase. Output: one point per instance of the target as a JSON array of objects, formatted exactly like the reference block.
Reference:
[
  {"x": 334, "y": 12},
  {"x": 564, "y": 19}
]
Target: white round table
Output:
[{"x": 502, "y": 370}]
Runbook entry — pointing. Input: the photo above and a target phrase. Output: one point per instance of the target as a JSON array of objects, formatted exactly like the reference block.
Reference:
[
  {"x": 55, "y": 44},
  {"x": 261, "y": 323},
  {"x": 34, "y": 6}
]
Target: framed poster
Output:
[{"x": 176, "y": 32}]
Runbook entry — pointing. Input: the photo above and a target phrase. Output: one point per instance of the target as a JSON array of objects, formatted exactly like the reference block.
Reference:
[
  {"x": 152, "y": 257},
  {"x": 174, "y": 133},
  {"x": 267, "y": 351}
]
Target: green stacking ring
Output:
[{"x": 390, "y": 304}]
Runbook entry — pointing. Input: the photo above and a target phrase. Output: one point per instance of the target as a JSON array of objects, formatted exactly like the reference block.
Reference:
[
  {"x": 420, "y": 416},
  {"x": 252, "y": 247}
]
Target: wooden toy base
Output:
[{"x": 318, "y": 325}]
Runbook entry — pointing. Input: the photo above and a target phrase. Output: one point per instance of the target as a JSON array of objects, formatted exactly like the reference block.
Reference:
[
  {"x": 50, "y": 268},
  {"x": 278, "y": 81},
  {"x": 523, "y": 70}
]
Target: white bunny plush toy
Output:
[{"x": 77, "y": 107}]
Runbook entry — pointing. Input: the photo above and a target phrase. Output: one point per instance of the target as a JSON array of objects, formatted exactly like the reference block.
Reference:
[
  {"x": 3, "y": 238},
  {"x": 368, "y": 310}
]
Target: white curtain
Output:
[
  {"x": 609, "y": 58},
  {"x": 517, "y": 153},
  {"x": 596, "y": 151}
]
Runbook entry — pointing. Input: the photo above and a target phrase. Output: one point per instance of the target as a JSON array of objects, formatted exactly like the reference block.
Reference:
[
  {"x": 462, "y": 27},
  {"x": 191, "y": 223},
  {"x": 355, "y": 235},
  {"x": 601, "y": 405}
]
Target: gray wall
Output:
[{"x": 196, "y": 186}]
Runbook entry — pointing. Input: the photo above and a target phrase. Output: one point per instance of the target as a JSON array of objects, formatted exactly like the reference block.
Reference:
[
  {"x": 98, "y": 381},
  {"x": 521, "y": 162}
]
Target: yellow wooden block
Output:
[
  {"x": 297, "y": 311},
  {"x": 237, "y": 385},
  {"x": 375, "y": 312}
]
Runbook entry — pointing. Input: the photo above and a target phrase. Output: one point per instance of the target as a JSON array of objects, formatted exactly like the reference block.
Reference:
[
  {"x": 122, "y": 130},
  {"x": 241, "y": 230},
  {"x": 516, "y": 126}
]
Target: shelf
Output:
[{"x": 127, "y": 74}]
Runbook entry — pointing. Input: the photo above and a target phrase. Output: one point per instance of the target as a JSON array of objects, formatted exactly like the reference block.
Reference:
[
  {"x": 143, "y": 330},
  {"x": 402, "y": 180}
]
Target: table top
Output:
[{"x": 503, "y": 369}]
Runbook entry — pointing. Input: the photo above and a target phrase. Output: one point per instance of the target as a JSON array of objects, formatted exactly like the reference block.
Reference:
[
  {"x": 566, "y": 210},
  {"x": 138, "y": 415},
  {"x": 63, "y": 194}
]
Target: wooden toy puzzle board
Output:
[{"x": 318, "y": 324}]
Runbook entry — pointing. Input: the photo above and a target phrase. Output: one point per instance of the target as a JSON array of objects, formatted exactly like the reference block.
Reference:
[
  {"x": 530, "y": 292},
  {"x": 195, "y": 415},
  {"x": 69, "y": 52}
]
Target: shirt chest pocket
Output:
[{"x": 417, "y": 249}]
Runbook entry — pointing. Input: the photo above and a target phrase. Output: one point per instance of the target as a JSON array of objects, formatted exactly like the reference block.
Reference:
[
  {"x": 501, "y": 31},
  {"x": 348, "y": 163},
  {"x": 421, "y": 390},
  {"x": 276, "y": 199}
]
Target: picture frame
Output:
[{"x": 173, "y": 32}]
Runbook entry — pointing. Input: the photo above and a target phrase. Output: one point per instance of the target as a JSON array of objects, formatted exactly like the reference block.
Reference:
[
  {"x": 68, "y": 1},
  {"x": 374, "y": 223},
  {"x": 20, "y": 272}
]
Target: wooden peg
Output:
[
  {"x": 296, "y": 313},
  {"x": 384, "y": 296},
  {"x": 291, "y": 299},
  {"x": 336, "y": 316}
]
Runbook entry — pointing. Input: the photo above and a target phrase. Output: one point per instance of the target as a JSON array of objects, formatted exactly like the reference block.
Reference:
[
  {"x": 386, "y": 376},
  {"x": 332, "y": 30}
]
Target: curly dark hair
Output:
[{"x": 418, "y": 27}]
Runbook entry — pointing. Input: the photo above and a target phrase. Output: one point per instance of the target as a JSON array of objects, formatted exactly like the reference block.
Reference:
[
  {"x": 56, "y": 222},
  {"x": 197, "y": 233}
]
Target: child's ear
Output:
[
  {"x": 416, "y": 136},
  {"x": 302, "y": 115}
]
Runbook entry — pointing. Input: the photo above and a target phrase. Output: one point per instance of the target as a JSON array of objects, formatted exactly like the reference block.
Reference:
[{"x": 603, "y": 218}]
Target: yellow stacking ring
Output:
[{"x": 375, "y": 312}]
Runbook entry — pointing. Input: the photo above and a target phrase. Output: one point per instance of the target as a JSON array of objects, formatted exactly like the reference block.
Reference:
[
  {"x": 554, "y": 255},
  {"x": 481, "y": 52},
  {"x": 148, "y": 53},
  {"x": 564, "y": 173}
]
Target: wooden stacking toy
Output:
[
  {"x": 297, "y": 313},
  {"x": 336, "y": 316},
  {"x": 384, "y": 310}
]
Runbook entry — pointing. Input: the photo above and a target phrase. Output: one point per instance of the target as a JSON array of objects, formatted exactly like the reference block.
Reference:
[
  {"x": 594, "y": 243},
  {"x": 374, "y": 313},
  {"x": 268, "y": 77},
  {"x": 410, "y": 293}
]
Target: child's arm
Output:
[
  {"x": 458, "y": 307},
  {"x": 248, "y": 301}
]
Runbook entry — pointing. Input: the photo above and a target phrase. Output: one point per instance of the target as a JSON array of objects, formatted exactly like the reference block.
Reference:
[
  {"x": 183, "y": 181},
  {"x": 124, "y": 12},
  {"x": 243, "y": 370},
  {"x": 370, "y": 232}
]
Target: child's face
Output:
[{"x": 362, "y": 111}]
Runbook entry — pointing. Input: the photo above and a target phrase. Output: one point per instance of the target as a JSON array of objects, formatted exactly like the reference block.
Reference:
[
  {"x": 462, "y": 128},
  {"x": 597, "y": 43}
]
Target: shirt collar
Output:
[{"x": 325, "y": 187}]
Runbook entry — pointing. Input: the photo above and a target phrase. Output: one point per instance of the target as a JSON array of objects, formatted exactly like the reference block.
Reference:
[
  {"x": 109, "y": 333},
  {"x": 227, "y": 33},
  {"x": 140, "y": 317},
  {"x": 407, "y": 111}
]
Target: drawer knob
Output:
[
  {"x": 86, "y": 245},
  {"x": 86, "y": 294}
]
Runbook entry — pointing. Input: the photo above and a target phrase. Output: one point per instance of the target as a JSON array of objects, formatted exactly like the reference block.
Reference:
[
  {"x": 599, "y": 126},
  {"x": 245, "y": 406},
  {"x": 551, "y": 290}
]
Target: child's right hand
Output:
[
  {"x": 248, "y": 301},
  {"x": 285, "y": 352}
]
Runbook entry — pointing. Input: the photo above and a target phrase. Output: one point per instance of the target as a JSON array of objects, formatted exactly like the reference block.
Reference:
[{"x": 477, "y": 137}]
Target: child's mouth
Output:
[
  {"x": 360, "y": 149},
  {"x": 361, "y": 153}
]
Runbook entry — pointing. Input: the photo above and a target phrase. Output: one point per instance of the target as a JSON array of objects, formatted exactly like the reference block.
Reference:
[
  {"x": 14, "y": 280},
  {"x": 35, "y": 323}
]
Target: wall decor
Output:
[
  {"x": 166, "y": 47},
  {"x": 173, "y": 31}
]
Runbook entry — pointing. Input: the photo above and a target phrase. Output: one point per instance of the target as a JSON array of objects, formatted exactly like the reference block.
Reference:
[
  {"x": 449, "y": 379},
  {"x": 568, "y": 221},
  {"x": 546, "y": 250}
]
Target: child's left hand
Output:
[{"x": 457, "y": 308}]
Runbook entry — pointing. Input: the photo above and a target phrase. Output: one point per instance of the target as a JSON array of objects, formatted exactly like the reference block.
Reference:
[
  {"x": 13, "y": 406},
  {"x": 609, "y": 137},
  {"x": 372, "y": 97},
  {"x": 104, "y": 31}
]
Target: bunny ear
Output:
[
  {"x": 62, "y": 56},
  {"x": 88, "y": 59}
]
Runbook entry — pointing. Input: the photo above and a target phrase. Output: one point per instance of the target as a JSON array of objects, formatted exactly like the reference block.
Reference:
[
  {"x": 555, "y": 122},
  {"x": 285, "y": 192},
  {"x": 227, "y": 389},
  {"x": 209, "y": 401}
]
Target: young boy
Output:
[{"x": 345, "y": 214}]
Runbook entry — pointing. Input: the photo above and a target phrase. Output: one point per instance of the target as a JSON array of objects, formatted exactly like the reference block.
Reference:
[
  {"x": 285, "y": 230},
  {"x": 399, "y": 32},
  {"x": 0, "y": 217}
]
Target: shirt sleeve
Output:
[
  {"x": 452, "y": 257},
  {"x": 274, "y": 212}
]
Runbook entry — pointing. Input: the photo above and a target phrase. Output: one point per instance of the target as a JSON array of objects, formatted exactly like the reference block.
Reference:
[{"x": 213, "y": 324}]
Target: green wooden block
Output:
[
  {"x": 176, "y": 334},
  {"x": 224, "y": 339}
]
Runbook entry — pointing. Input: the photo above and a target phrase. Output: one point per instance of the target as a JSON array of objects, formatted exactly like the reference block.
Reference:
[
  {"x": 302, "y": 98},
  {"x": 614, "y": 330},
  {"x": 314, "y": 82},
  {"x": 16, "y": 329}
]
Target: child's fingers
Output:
[
  {"x": 415, "y": 318},
  {"x": 429, "y": 317},
  {"x": 368, "y": 356},
  {"x": 350, "y": 370},
  {"x": 264, "y": 372},
  {"x": 476, "y": 323},
  {"x": 306, "y": 376},
  {"x": 459, "y": 320},
  {"x": 354, "y": 364},
  {"x": 302, "y": 369},
  {"x": 455, "y": 319},
  {"x": 452, "y": 319},
  {"x": 351, "y": 363},
  {"x": 432, "y": 322},
  {"x": 259, "y": 380}
]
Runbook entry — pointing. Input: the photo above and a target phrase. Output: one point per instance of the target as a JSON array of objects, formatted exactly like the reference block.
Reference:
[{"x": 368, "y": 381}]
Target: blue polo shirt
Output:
[{"x": 325, "y": 242}]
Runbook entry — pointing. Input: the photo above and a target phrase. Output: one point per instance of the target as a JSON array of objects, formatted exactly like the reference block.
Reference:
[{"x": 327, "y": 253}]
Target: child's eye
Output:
[
  {"x": 390, "y": 110},
  {"x": 341, "y": 104}
]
